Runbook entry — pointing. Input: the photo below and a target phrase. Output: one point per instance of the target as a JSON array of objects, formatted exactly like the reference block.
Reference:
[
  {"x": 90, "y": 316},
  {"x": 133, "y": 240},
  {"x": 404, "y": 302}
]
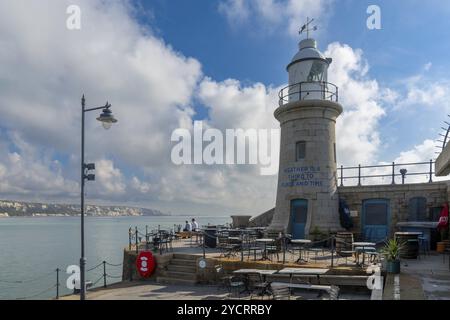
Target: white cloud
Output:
[
  {"x": 358, "y": 140},
  {"x": 110, "y": 179}
]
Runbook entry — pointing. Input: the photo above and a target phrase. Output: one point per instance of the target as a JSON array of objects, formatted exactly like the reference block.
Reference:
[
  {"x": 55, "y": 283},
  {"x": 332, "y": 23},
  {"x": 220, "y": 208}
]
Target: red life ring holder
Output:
[{"x": 145, "y": 264}]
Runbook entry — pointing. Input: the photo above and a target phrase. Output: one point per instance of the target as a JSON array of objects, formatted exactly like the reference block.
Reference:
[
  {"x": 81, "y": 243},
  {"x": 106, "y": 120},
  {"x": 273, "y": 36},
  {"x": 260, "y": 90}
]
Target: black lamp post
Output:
[{"x": 107, "y": 119}]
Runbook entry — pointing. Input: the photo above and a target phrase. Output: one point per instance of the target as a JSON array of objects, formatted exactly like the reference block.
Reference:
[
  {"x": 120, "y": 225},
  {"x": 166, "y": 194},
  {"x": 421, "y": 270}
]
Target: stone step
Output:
[
  {"x": 185, "y": 256},
  {"x": 183, "y": 262},
  {"x": 181, "y": 275},
  {"x": 182, "y": 268},
  {"x": 172, "y": 281}
]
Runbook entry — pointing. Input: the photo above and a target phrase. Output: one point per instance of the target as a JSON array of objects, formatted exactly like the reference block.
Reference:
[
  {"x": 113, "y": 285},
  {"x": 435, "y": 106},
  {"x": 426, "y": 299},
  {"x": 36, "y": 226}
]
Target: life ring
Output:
[{"x": 145, "y": 264}]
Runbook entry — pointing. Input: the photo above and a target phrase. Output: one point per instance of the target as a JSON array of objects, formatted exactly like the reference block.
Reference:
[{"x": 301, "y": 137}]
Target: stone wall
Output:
[
  {"x": 436, "y": 194},
  {"x": 262, "y": 220},
  {"x": 129, "y": 271}
]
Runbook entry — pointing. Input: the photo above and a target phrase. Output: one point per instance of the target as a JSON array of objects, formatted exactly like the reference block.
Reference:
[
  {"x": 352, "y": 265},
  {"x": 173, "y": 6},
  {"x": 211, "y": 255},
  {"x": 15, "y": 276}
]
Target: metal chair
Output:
[
  {"x": 334, "y": 293},
  {"x": 257, "y": 283},
  {"x": 235, "y": 283},
  {"x": 281, "y": 292}
]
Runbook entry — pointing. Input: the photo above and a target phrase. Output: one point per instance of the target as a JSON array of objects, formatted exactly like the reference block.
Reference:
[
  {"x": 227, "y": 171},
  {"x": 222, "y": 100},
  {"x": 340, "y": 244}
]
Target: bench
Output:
[
  {"x": 302, "y": 286},
  {"x": 333, "y": 291}
]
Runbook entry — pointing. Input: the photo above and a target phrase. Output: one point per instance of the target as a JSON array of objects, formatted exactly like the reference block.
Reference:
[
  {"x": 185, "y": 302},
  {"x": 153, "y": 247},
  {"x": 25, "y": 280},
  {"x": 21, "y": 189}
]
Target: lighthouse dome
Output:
[
  {"x": 307, "y": 50},
  {"x": 308, "y": 75}
]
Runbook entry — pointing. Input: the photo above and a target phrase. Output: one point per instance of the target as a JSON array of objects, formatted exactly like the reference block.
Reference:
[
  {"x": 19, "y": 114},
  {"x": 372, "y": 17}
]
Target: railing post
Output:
[
  {"x": 57, "y": 283},
  {"x": 136, "y": 239},
  {"x": 146, "y": 237},
  {"x": 359, "y": 175},
  {"x": 342, "y": 175},
  {"x": 204, "y": 253},
  {"x": 129, "y": 239},
  {"x": 332, "y": 251},
  {"x": 431, "y": 171},
  {"x": 104, "y": 274},
  {"x": 393, "y": 172}
]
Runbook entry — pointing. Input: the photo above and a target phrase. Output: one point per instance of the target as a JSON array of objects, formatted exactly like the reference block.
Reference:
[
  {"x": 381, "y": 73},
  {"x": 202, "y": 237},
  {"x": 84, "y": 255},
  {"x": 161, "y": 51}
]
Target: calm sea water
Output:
[{"x": 32, "y": 248}]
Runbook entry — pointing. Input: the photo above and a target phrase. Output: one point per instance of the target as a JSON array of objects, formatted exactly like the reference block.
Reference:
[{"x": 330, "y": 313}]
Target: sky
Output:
[{"x": 164, "y": 64}]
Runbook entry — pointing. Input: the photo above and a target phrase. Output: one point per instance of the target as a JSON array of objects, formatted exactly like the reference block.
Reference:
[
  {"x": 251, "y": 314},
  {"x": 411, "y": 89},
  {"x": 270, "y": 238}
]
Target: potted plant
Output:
[{"x": 391, "y": 251}]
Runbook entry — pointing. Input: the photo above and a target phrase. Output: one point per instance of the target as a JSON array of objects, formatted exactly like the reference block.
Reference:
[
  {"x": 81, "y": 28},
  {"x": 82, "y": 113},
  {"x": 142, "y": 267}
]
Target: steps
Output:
[{"x": 182, "y": 270}]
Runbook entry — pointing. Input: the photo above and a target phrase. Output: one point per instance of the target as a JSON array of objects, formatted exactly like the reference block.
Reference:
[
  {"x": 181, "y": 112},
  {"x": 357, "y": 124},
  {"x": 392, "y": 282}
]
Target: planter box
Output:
[{"x": 393, "y": 266}]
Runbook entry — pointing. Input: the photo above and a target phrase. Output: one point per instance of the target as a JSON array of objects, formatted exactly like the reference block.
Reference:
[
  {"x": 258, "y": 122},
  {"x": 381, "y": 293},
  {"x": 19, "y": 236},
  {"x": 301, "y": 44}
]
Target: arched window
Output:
[{"x": 417, "y": 210}]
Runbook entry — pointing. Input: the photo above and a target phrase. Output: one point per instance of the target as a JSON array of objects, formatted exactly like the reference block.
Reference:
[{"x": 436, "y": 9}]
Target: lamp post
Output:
[
  {"x": 107, "y": 119},
  {"x": 403, "y": 173}
]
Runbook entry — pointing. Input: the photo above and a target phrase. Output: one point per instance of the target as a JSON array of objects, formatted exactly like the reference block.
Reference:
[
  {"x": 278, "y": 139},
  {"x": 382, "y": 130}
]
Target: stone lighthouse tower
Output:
[{"x": 307, "y": 196}]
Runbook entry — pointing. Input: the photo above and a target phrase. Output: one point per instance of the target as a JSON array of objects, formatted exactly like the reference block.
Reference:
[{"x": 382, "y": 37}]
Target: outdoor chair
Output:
[
  {"x": 334, "y": 293},
  {"x": 345, "y": 254},
  {"x": 365, "y": 251},
  {"x": 221, "y": 277},
  {"x": 236, "y": 285},
  {"x": 423, "y": 245},
  {"x": 258, "y": 285},
  {"x": 225, "y": 247},
  {"x": 283, "y": 292},
  {"x": 250, "y": 247},
  {"x": 275, "y": 249}
]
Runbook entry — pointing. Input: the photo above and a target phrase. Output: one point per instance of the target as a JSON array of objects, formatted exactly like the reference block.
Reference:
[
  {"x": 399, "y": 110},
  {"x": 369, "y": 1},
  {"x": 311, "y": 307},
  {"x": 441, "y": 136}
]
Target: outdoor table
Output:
[
  {"x": 363, "y": 245},
  {"x": 302, "y": 243},
  {"x": 265, "y": 241},
  {"x": 303, "y": 272},
  {"x": 247, "y": 272}
]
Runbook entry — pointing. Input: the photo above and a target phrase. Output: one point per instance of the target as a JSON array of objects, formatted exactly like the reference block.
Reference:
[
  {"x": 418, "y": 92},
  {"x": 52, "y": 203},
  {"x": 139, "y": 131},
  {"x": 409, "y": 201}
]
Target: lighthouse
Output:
[{"x": 307, "y": 198}]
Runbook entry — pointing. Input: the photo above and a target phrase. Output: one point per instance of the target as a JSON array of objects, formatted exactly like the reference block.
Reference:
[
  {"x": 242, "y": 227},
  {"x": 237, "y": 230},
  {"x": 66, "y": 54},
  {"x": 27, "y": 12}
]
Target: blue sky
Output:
[
  {"x": 413, "y": 34},
  {"x": 165, "y": 63}
]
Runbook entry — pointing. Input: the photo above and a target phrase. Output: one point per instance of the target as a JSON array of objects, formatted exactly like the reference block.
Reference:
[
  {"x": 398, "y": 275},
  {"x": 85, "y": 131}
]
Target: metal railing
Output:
[
  {"x": 103, "y": 278},
  {"x": 308, "y": 91},
  {"x": 403, "y": 172}
]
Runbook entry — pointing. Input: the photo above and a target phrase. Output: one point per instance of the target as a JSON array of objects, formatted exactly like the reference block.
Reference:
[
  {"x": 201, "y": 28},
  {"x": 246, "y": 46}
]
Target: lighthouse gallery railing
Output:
[{"x": 308, "y": 91}]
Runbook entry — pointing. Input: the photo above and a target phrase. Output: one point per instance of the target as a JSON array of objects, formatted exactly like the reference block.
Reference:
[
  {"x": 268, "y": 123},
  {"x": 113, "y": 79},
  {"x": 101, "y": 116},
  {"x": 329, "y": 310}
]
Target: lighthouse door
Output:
[
  {"x": 299, "y": 216},
  {"x": 375, "y": 219}
]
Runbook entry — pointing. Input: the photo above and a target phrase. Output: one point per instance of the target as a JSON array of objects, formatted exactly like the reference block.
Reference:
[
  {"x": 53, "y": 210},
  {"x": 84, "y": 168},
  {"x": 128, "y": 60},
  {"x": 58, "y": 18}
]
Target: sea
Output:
[{"x": 32, "y": 248}]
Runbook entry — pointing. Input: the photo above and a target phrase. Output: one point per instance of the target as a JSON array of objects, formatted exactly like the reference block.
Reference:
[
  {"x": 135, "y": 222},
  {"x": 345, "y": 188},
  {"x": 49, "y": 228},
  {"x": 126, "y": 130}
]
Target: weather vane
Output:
[{"x": 306, "y": 27}]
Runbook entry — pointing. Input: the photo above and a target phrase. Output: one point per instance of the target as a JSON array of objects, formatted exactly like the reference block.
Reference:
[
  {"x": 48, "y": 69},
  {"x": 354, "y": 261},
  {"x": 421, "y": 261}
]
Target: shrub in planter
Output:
[{"x": 391, "y": 251}]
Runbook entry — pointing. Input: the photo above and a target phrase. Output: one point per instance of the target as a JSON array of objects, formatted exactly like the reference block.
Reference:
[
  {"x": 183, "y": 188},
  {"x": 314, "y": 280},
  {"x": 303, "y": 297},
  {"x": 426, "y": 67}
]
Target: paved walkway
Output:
[
  {"x": 429, "y": 271},
  {"x": 153, "y": 291}
]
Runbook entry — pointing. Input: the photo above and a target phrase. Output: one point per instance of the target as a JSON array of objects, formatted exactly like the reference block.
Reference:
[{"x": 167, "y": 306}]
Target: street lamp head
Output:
[{"x": 107, "y": 118}]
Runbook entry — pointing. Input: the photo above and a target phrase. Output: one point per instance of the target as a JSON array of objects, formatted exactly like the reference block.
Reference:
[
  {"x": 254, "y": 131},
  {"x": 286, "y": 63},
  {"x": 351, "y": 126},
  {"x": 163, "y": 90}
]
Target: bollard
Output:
[
  {"x": 104, "y": 274},
  {"x": 57, "y": 283}
]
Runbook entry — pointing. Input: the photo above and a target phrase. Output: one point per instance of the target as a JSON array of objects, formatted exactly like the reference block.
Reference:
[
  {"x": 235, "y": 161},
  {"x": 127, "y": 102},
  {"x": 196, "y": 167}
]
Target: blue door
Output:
[
  {"x": 375, "y": 220},
  {"x": 299, "y": 216}
]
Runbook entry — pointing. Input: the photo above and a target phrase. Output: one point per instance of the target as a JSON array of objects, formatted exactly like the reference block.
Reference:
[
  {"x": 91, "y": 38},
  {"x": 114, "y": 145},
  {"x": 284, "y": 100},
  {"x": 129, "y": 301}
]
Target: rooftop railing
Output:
[
  {"x": 389, "y": 171},
  {"x": 308, "y": 91}
]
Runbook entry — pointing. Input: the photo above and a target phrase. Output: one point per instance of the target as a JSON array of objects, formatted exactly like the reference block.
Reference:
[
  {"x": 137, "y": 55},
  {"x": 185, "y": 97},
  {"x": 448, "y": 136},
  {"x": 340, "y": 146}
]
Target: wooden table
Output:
[
  {"x": 302, "y": 243},
  {"x": 265, "y": 241}
]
